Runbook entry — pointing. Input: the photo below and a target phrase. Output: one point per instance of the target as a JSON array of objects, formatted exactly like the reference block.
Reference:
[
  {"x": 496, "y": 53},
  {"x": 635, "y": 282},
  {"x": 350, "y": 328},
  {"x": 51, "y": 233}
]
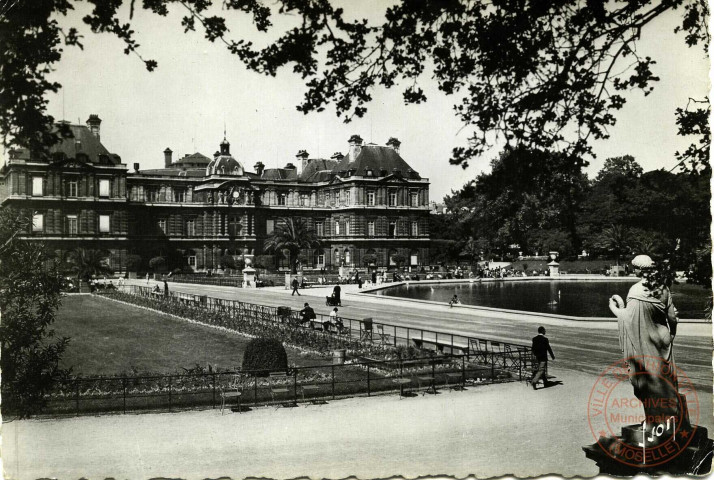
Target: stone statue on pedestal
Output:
[{"x": 665, "y": 441}]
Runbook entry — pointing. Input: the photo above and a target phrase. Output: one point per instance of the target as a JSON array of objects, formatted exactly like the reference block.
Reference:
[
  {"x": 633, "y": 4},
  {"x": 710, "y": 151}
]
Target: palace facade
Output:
[{"x": 368, "y": 205}]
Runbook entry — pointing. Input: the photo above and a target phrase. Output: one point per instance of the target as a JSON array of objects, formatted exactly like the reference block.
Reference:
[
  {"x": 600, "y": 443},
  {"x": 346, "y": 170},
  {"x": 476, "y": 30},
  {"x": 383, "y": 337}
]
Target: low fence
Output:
[
  {"x": 413, "y": 359},
  {"x": 122, "y": 394},
  {"x": 364, "y": 330}
]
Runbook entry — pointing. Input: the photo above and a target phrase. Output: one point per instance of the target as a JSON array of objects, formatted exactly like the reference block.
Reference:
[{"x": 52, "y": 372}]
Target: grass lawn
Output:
[{"x": 109, "y": 338}]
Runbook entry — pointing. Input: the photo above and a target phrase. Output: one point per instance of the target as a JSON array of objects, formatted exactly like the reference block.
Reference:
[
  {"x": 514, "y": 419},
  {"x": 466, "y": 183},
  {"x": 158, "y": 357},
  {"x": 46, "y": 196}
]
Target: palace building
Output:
[{"x": 366, "y": 204}]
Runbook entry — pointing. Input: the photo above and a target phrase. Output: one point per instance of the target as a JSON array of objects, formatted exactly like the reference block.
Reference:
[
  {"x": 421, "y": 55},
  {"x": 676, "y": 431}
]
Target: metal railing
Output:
[
  {"x": 87, "y": 395},
  {"x": 364, "y": 330}
]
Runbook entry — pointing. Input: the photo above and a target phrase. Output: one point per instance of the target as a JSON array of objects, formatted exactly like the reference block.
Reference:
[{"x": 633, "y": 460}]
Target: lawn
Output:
[{"x": 110, "y": 338}]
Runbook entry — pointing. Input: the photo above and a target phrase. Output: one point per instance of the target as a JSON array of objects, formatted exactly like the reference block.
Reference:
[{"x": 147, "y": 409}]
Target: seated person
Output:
[
  {"x": 156, "y": 289},
  {"x": 454, "y": 301},
  {"x": 307, "y": 313}
]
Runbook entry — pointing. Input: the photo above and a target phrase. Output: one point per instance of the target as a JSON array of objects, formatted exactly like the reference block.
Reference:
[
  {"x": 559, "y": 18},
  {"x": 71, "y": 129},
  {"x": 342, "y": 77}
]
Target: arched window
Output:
[
  {"x": 348, "y": 257},
  {"x": 392, "y": 253}
]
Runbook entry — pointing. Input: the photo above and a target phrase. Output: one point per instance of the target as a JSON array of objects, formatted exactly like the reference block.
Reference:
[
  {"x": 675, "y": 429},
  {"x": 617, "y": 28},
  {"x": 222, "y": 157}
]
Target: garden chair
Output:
[
  {"x": 234, "y": 390},
  {"x": 366, "y": 333},
  {"x": 383, "y": 336},
  {"x": 279, "y": 386}
]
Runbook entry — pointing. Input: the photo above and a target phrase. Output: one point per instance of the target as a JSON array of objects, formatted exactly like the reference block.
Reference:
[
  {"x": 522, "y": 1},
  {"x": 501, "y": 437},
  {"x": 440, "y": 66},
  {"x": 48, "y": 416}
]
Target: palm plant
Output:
[
  {"x": 615, "y": 239},
  {"x": 291, "y": 235},
  {"x": 87, "y": 262}
]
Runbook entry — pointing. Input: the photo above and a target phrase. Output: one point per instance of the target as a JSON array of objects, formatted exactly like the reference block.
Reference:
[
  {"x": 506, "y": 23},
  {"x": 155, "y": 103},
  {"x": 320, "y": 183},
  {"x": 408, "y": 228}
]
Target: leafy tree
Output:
[
  {"x": 546, "y": 74},
  {"x": 625, "y": 166},
  {"x": 228, "y": 261},
  {"x": 88, "y": 262},
  {"x": 29, "y": 298},
  {"x": 133, "y": 262},
  {"x": 615, "y": 239},
  {"x": 264, "y": 261},
  {"x": 291, "y": 235},
  {"x": 157, "y": 263},
  {"x": 399, "y": 259},
  {"x": 370, "y": 259}
]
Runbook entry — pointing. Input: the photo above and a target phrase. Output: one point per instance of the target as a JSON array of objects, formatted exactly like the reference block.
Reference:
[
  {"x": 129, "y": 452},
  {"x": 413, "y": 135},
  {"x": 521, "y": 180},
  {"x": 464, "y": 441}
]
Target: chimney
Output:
[
  {"x": 167, "y": 157},
  {"x": 259, "y": 167},
  {"x": 337, "y": 156},
  {"x": 394, "y": 143},
  {"x": 302, "y": 160},
  {"x": 136, "y": 167},
  {"x": 93, "y": 122},
  {"x": 355, "y": 142}
]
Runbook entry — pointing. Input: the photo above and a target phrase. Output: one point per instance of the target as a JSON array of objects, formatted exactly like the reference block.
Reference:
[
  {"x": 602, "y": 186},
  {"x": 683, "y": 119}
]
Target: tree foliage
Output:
[
  {"x": 546, "y": 74},
  {"x": 291, "y": 235},
  {"x": 528, "y": 202},
  {"x": 86, "y": 263},
  {"x": 29, "y": 298}
]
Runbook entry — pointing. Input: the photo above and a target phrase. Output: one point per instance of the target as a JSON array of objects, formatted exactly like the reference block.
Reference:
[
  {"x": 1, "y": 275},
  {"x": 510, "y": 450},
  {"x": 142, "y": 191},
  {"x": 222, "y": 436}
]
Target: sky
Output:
[{"x": 199, "y": 88}]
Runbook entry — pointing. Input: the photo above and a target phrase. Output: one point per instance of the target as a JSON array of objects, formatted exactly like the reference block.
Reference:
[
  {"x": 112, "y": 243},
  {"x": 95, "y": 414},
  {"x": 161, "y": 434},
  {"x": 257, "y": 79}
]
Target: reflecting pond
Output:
[{"x": 564, "y": 297}]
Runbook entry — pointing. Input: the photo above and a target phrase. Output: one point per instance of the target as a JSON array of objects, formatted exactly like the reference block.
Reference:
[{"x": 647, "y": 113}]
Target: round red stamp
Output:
[{"x": 643, "y": 411}]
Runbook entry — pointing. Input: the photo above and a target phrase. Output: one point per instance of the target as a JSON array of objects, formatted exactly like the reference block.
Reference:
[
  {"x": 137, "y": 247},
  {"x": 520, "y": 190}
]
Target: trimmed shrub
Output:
[{"x": 265, "y": 355}]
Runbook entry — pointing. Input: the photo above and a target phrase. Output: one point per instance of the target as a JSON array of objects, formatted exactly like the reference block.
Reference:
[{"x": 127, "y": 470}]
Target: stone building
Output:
[{"x": 367, "y": 204}]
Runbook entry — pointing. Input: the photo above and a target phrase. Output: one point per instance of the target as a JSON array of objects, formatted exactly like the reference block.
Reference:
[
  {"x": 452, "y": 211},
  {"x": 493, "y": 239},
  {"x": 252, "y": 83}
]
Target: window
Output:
[
  {"x": 38, "y": 222},
  {"x": 321, "y": 258},
  {"x": 415, "y": 229},
  {"x": 104, "y": 188},
  {"x": 327, "y": 199},
  {"x": 348, "y": 257},
  {"x": 179, "y": 195},
  {"x": 338, "y": 197},
  {"x": 72, "y": 188},
  {"x": 392, "y": 229},
  {"x": 37, "y": 190},
  {"x": 103, "y": 223},
  {"x": 162, "y": 224},
  {"x": 370, "y": 229},
  {"x": 414, "y": 199},
  {"x": 72, "y": 224},
  {"x": 347, "y": 227},
  {"x": 414, "y": 257},
  {"x": 152, "y": 195},
  {"x": 191, "y": 260},
  {"x": 269, "y": 226},
  {"x": 190, "y": 228},
  {"x": 392, "y": 199},
  {"x": 281, "y": 199},
  {"x": 304, "y": 200},
  {"x": 337, "y": 227},
  {"x": 319, "y": 229},
  {"x": 347, "y": 198},
  {"x": 370, "y": 198}
]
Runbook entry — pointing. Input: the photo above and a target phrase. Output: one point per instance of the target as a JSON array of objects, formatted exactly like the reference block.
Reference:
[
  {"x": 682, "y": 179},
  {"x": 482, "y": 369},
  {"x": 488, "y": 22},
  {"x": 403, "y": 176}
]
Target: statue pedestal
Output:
[{"x": 694, "y": 459}]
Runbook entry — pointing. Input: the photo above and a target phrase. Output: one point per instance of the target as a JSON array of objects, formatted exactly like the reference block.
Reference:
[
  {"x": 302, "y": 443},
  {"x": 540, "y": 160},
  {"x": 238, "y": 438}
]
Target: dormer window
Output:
[{"x": 369, "y": 172}]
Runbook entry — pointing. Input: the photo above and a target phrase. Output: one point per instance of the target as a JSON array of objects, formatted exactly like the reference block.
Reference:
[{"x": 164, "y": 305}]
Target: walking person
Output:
[
  {"x": 336, "y": 294},
  {"x": 295, "y": 285},
  {"x": 147, "y": 278},
  {"x": 541, "y": 349},
  {"x": 166, "y": 288}
]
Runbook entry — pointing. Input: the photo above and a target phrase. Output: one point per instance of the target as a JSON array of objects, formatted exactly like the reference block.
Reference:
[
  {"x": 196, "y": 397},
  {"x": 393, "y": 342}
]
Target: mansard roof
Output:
[
  {"x": 279, "y": 174},
  {"x": 193, "y": 158},
  {"x": 377, "y": 158},
  {"x": 315, "y": 169},
  {"x": 81, "y": 142}
]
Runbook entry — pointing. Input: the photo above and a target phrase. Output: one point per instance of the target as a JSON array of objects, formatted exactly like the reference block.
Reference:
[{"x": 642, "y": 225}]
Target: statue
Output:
[
  {"x": 647, "y": 326},
  {"x": 666, "y": 440}
]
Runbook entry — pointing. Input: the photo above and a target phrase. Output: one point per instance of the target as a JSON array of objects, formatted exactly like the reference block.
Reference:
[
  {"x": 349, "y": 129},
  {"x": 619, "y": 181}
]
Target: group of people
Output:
[{"x": 307, "y": 315}]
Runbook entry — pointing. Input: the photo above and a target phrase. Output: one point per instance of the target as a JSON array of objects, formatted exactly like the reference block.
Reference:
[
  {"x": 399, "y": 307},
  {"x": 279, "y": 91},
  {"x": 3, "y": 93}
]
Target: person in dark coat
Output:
[
  {"x": 166, "y": 288},
  {"x": 295, "y": 285},
  {"x": 541, "y": 349},
  {"x": 336, "y": 294},
  {"x": 307, "y": 313}
]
